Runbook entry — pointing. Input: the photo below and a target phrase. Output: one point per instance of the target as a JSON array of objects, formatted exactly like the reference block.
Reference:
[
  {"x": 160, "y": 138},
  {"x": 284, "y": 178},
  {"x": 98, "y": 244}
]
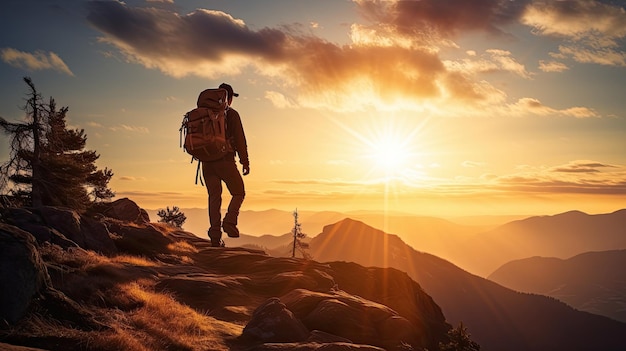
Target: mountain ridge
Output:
[
  {"x": 478, "y": 249},
  {"x": 480, "y": 304},
  {"x": 593, "y": 281},
  {"x": 562, "y": 235}
]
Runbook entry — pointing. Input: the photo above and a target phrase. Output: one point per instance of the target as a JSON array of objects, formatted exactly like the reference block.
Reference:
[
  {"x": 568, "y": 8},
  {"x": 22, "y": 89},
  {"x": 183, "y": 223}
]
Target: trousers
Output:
[{"x": 214, "y": 174}]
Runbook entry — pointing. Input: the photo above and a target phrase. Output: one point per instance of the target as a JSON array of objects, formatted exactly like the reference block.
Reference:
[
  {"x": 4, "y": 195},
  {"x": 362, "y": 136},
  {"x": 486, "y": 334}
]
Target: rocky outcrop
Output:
[
  {"x": 141, "y": 240},
  {"x": 25, "y": 282},
  {"x": 273, "y": 322},
  {"x": 351, "y": 317},
  {"x": 123, "y": 209},
  {"x": 22, "y": 272},
  {"x": 396, "y": 290},
  {"x": 284, "y": 303},
  {"x": 63, "y": 227}
]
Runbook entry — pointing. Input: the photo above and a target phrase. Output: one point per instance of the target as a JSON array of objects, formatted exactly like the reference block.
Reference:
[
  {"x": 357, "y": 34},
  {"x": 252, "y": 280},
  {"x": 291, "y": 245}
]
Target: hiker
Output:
[{"x": 225, "y": 170}]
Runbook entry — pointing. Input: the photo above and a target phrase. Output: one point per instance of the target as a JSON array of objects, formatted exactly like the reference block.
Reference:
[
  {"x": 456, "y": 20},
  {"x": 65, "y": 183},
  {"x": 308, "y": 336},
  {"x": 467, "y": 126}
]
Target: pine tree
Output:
[
  {"x": 48, "y": 163},
  {"x": 298, "y": 238}
]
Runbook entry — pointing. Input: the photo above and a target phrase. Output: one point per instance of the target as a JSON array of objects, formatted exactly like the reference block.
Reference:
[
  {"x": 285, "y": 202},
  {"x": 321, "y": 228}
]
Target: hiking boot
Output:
[
  {"x": 217, "y": 243},
  {"x": 216, "y": 238},
  {"x": 230, "y": 229}
]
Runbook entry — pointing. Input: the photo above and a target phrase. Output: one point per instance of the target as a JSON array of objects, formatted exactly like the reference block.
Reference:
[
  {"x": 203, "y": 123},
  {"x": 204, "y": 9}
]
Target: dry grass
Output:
[
  {"x": 164, "y": 227},
  {"x": 133, "y": 260},
  {"x": 119, "y": 292},
  {"x": 163, "y": 323},
  {"x": 182, "y": 247}
]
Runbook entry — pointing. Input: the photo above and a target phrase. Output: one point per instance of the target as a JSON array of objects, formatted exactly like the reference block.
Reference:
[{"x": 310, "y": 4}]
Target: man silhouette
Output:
[{"x": 225, "y": 170}]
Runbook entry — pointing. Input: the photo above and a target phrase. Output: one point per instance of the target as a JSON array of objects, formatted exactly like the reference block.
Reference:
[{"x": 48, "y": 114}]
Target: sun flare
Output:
[
  {"x": 387, "y": 153},
  {"x": 389, "y": 148}
]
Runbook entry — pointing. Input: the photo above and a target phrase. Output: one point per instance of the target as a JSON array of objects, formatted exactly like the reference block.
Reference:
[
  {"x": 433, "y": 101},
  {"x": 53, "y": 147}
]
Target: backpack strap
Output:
[
  {"x": 182, "y": 132},
  {"x": 198, "y": 172}
]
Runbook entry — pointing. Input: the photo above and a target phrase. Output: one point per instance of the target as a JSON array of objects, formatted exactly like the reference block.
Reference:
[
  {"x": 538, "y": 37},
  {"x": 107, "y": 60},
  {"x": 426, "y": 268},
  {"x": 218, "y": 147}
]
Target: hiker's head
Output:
[{"x": 230, "y": 91}]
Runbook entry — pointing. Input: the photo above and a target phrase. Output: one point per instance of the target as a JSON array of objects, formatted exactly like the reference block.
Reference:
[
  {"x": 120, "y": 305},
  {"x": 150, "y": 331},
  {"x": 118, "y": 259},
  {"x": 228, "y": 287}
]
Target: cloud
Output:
[
  {"x": 472, "y": 164},
  {"x": 321, "y": 73},
  {"x": 576, "y": 19},
  {"x": 279, "y": 100},
  {"x": 36, "y": 61},
  {"x": 442, "y": 18},
  {"x": 94, "y": 124},
  {"x": 392, "y": 62},
  {"x": 131, "y": 178},
  {"x": 329, "y": 182},
  {"x": 552, "y": 66},
  {"x": 203, "y": 42},
  {"x": 133, "y": 129},
  {"x": 576, "y": 177},
  {"x": 534, "y": 106},
  {"x": 592, "y": 28},
  {"x": 582, "y": 167},
  {"x": 603, "y": 56},
  {"x": 492, "y": 61}
]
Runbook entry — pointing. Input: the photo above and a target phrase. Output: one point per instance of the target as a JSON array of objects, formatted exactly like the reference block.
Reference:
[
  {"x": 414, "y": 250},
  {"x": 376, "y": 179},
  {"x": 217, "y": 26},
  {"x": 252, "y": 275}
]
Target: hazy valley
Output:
[{"x": 479, "y": 245}]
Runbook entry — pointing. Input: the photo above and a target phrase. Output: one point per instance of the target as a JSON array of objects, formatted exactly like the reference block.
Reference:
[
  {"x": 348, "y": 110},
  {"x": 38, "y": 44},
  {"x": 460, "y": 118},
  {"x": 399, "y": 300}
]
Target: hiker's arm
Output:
[{"x": 241, "y": 145}]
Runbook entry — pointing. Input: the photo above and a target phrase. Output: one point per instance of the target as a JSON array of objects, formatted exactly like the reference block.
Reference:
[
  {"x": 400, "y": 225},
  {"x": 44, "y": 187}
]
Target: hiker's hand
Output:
[{"x": 246, "y": 169}]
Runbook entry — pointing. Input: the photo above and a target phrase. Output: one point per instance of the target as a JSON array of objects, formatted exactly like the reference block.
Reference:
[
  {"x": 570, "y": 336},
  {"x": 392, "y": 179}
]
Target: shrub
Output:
[{"x": 173, "y": 217}]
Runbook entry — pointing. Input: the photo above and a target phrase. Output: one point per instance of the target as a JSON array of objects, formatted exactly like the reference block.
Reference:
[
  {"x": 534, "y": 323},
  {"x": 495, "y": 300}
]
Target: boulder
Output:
[
  {"x": 143, "y": 240},
  {"x": 351, "y": 317},
  {"x": 273, "y": 322},
  {"x": 62, "y": 226},
  {"x": 398, "y": 292},
  {"x": 88, "y": 233},
  {"x": 23, "y": 274},
  {"x": 27, "y": 220},
  {"x": 124, "y": 209}
]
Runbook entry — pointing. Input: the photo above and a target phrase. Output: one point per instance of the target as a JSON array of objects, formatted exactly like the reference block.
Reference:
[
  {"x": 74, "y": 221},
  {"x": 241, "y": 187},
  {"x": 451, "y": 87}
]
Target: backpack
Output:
[{"x": 204, "y": 127}]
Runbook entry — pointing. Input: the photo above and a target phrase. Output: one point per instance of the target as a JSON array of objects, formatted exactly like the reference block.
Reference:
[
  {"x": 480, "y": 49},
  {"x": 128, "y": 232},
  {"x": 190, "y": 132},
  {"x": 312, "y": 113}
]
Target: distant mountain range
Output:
[
  {"x": 276, "y": 222},
  {"x": 479, "y": 249},
  {"x": 594, "y": 281},
  {"x": 562, "y": 236},
  {"x": 497, "y": 317}
]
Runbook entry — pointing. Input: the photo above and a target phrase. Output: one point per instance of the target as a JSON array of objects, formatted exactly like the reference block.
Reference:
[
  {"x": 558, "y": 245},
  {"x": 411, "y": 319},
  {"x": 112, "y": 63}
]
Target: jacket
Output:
[{"x": 236, "y": 137}]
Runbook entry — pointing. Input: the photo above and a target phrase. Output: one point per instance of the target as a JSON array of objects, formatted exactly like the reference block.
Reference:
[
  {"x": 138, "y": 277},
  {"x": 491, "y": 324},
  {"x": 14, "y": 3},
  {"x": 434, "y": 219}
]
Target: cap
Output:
[{"x": 229, "y": 89}]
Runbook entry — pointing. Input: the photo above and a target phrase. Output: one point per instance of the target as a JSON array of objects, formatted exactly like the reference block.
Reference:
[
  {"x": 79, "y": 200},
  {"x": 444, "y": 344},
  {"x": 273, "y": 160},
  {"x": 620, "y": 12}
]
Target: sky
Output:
[{"x": 431, "y": 107}]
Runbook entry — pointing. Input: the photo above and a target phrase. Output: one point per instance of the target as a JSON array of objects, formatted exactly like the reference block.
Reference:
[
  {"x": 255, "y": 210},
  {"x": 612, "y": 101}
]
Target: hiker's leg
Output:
[
  {"x": 234, "y": 183},
  {"x": 214, "y": 188}
]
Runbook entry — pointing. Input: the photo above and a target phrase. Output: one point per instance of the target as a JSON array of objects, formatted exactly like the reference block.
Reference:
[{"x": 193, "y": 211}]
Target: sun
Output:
[
  {"x": 387, "y": 148},
  {"x": 388, "y": 153}
]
